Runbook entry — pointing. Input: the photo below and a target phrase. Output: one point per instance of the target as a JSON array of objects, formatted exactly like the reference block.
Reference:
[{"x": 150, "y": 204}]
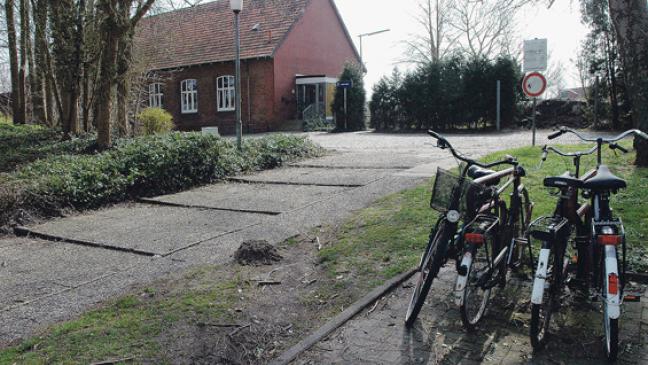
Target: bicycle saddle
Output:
[
  {"x": 604, "y": 180},
  {"x": 562, "y": 181},
  {"x": 475, "y": 172}
]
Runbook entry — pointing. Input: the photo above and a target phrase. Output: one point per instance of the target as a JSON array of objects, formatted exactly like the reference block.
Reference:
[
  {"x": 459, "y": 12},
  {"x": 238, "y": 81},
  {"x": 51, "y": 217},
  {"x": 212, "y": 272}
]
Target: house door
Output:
[{"x": 311, "y": 100}]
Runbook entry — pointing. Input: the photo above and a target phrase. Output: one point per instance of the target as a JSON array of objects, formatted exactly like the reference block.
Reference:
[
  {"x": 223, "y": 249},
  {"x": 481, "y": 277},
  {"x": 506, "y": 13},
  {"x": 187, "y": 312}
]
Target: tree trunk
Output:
[
  {"x": 13, "y": 61},
  {"x": 67, "y": 49},
  {"x": 39, "y": 72},
  {"x": 123, "y": 85},
  {"x": 22, "y": 70},
  {"x": 107, "y": 72},
  {"x": 630, "y": 18}
]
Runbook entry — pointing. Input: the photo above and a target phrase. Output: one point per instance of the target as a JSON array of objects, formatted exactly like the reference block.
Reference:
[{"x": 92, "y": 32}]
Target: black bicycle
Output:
[
  {"x": 597, "y": 239},
  {"x": 477, "y": 204}
]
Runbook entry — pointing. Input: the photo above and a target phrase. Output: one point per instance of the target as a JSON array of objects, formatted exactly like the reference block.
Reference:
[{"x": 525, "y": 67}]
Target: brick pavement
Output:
[{"x": 378, "y": 336}]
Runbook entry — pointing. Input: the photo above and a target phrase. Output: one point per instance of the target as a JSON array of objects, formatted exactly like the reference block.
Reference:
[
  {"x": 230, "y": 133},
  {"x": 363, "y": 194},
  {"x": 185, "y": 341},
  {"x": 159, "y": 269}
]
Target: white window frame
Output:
[
  {"x": 189, "y": 96},
  {"x": 156, "y": 96},
  {"x": 226, "y": 93}
]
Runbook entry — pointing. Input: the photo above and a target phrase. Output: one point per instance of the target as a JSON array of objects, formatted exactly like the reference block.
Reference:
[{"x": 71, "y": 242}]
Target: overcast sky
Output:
[{"x": 560, "y": 25}]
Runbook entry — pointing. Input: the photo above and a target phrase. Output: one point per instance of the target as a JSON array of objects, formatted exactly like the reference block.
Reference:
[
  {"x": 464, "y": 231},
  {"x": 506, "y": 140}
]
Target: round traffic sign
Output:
[{"x": 534, "y": 84}]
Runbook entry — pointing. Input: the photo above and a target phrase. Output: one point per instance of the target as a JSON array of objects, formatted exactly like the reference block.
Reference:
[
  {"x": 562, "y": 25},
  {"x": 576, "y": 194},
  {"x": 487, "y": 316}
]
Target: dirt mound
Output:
[{"x": 257, "y": 253}]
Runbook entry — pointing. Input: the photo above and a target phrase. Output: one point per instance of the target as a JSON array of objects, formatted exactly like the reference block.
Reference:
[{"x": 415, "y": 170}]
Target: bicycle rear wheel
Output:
[
  {"x": 431, "y": 263},
  {"x": 541, "y": 313},
  {"x": 475, "y": 296}
]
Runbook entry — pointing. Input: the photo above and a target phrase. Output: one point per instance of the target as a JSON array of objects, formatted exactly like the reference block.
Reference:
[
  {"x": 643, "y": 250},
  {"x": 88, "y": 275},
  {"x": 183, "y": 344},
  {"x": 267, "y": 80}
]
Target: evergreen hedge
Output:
[{"x": 449, "y": 94}]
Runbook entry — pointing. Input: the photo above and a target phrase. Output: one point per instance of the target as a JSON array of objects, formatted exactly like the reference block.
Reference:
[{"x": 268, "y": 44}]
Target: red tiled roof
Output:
[{"x": 205, "y": 33}]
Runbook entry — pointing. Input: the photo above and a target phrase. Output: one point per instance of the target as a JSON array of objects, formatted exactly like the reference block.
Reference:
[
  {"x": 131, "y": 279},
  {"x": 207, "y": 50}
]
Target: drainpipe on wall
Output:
[{"x": 249, "y": 99}]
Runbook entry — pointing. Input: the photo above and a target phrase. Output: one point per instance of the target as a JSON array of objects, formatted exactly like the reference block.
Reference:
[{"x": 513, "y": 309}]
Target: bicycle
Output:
[
  {"x": 597, "y": 250},
  {"x": 503, "y": 229},
  {"x": 456, "y": 197}
]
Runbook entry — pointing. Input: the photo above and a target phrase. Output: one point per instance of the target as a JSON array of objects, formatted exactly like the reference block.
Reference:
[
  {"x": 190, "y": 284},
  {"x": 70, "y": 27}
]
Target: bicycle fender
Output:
[
  {"x": 611, "y": 268},
  {"x": 540, "y": 277},
  {"x": 462, "y": 280}
]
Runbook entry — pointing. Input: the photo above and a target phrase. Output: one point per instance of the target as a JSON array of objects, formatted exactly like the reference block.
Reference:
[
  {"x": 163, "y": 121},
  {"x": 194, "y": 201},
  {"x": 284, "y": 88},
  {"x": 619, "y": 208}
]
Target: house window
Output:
[
  {"x": 189, "y": 96},
  {"x": 155, "y": 95},
  {"x": 226, "y": 93}
]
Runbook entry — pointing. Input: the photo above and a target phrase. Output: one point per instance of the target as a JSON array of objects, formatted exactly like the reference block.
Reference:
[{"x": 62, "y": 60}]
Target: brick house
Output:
[{"x": 291, "y": 50}]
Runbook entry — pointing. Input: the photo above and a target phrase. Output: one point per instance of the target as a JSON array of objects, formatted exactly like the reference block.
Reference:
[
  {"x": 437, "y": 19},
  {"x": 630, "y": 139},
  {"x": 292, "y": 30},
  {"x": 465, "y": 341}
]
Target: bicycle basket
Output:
[{"x": 471, "y": 195}]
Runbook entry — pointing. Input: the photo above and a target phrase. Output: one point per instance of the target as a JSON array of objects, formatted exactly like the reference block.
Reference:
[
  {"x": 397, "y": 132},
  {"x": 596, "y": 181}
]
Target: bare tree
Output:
[
  {"x": 117, "y": 25},
  {"x": 485, "y": 28},
  {"x": 434, "y": 40}
]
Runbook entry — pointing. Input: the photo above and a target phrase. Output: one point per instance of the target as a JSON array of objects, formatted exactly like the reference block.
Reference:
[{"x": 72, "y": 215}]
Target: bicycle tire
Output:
[
  {"x": 470, "y": 314},
  {"x": 541, "y": 313},
  {"x": 431, "y": 262},
  {"x": 612, "y": 339}
]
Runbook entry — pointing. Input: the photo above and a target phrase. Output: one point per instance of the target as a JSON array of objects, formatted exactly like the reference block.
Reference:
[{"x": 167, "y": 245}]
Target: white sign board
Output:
[
  {"x": 213, "y": 131},
  {"x": 535, "y": 55}
]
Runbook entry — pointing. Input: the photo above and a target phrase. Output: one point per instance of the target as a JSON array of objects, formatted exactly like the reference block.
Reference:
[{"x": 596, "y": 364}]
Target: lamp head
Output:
[{"x": 236, "y": 5}]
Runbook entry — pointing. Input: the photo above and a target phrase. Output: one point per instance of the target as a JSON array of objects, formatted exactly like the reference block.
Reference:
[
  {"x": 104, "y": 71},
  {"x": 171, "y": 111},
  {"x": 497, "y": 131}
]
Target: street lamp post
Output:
[
  {"x": 237, "y": 7},
  {"x": 368, "y": 35}
]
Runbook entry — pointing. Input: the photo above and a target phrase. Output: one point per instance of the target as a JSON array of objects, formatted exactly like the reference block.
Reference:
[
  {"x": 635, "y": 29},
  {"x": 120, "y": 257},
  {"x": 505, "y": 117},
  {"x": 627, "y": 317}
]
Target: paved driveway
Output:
[{"x": 68, "y": 265}]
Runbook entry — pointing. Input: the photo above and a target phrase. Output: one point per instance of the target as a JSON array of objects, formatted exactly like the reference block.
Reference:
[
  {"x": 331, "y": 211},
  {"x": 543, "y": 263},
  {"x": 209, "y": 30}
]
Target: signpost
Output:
[
  {"x": 534, "y": 85},
  {"x": 535, "y": 55},
  {"x": 346, "y": 85}
]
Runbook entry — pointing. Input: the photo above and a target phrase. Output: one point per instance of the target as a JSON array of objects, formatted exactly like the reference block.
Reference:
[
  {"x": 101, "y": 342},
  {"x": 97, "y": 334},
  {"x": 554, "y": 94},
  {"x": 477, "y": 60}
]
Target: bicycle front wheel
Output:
[
  {"x": 429, "y": 267},
  {"x": 475, "y": 297}
]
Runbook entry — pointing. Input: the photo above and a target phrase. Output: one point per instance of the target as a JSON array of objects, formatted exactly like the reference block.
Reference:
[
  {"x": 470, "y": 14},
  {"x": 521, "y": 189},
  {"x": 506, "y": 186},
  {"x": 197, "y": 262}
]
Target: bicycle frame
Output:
[{"x": 596, "y": 222}]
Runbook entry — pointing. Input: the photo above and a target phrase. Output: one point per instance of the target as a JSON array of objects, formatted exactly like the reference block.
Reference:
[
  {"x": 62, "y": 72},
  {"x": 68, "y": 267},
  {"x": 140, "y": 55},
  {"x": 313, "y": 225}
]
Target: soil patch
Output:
[
  {"x": 257, "y": 253},
  {"x": 276, "y": 305}
]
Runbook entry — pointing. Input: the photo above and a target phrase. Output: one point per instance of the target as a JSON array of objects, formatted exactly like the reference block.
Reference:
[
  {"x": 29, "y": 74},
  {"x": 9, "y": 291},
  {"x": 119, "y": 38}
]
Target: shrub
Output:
[
  {"x": 5, "y": 119},
  {"x": 317, "y": 124},
  {"x": 20, "y": 144},
  {"x": 355, "y": 118},
  {"x": 144, "y": 166},
  {"x": 155, "y": 120}
]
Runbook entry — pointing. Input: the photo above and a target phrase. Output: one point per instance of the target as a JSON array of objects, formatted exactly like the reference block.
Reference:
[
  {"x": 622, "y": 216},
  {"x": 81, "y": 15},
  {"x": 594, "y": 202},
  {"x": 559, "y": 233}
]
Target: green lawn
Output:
[
  {"x": 375, "y": 244},
  {"x": 130, "y": 327},
  {"x": 388, "y": 237}
]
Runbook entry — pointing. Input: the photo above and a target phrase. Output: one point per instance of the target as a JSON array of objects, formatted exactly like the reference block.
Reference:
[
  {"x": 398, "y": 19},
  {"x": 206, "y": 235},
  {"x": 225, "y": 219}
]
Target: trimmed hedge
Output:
[{"x": 140, "y": 167}]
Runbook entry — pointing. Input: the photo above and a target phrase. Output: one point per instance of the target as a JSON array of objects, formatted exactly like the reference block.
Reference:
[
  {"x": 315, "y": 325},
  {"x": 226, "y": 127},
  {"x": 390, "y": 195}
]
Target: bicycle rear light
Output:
[
  {"x": 613, "y": 284},
  {"x": 609, "y": 239},
  {"x": 475, "y": 238}
]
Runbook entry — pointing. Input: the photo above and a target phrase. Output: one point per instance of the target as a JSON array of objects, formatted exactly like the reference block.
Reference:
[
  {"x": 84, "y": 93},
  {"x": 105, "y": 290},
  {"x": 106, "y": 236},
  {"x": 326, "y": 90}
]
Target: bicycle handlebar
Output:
[
  {"x": 443, "y": 144},
  {"x": 621, "y": 136},
  {"x": 555, "y": 134},
  {"x": 546, "y": 149}
]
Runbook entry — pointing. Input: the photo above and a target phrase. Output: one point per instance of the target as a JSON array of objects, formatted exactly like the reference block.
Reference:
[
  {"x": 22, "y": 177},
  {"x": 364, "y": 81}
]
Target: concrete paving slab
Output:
[
  {"x": 146, "y": 229},
  {"x": 317, "y": 176},
  {"x": 260, "y": 198},
  {"x": 367, "y": 160},
  {"x": 32, "y": 269}
]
